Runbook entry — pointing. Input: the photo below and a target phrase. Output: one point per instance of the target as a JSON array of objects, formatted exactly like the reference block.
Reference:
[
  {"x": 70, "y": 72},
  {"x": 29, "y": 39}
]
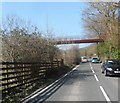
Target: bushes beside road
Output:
[{"x": 56, "y": 73}]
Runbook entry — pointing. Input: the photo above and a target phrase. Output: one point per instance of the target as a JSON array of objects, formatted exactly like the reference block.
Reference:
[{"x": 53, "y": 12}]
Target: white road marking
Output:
[
  {"x": 56, "y": 81},
  {"x": 101, "y": 88},
  {"x": 105, "y": 95},
  {"x": 65, "y": 75},
  {"x": 75, "y": 67},
  {"x": 92, "y": 68},
  {"x": 49, "y": 93},
  {"x": 96, "y": 77},
  {"x": 41, "y": 100},
  {"x": 93, "y": 71},
  {"x": 90, "y": 65}
]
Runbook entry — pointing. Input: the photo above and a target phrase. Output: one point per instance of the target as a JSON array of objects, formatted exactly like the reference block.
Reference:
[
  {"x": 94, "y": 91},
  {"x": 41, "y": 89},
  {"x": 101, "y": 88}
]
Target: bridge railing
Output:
[
  {"x": 18, "y": 78},
  {"x": 77, "y": 41}
]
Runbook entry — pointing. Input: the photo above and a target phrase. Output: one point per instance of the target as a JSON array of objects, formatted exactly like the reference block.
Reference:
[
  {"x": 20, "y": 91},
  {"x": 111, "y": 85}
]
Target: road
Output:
[{"x": 86, "y": 83}]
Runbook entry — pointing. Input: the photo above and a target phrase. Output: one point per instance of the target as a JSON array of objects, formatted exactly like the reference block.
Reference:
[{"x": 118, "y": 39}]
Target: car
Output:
[
  {"x": 111, "y": 67},
  {"x": 95, "y": 60},
  {"x": 89, "y": 59},
  {"x": 83, "y": 59}
]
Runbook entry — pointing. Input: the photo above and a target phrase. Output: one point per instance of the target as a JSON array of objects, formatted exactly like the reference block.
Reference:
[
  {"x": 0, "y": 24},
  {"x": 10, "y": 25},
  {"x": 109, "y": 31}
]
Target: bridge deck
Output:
[{"x": 79, "y": 41}]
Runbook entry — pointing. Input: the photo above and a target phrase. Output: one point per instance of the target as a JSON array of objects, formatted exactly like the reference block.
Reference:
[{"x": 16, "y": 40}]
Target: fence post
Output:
[
  {"x": 62, "y": 62},
  {"x": 58, "y": 63}
]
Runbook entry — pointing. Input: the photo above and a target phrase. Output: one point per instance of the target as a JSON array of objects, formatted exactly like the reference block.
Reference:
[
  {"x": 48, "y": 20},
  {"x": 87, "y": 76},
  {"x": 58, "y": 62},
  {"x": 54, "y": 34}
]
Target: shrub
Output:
[{"x": 55, "y": 73}]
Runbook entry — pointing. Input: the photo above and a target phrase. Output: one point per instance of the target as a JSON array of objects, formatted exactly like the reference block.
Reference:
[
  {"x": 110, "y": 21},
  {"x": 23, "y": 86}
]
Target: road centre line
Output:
[
  {"x": 105, "y": 94},
  {"x": 90, "y": 65},
  {"x": 93, "y": 71},
  {"x": 101, "y": 88},
  {"x": 92, "y": 68},
  {"x": 96, "y": 77}
]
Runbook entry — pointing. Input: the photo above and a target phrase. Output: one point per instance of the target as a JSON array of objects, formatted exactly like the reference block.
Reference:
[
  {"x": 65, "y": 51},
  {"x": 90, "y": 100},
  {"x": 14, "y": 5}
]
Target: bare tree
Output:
[
  {"x": 101, "y": 20},
  {"x": 72, "y": 55},
  {"x": 20, "y": 44}
]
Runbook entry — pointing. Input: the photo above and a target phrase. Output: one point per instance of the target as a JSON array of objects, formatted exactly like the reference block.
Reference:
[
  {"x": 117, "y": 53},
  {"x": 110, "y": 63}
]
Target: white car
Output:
[{"x": 84, "y": 59}]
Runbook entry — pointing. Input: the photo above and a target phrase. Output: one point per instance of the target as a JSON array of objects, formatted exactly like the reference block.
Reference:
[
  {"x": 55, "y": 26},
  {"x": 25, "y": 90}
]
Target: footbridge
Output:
[{"x": 77, "y": 41}]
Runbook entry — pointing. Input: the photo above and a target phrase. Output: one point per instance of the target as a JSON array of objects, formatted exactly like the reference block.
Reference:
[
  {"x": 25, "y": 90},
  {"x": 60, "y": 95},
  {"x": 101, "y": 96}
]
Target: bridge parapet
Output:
[{"x": 79, "y": 41}]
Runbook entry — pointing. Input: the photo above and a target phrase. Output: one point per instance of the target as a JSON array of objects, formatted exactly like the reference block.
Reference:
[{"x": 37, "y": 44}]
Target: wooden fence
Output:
[{"x": 19, "y": 78}]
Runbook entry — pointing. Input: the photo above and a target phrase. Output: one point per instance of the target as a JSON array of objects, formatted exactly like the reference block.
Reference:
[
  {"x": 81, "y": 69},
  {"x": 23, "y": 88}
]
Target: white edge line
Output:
[
  {"x": 65, "y": 75},
  {"x": 105, "y": 95},
  {"x": 51, "y": 84},
  {"x": 74, "y": 68},
  {"x": 77, "y": 66},
  {"x": 48, "y": 86}
]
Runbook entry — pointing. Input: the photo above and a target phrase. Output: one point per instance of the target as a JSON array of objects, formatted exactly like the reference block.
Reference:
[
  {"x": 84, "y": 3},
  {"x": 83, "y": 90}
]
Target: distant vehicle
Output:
[
  {"x": 111, "y": 67},
  {"x": 95, "y": 60},
  {"x": 84, "y": 59},
  {"x": 89, "y": 59}
]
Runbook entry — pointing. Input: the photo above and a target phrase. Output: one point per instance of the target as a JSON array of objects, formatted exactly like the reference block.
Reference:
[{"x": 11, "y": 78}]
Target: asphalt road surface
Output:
[{"x": 87, "y": 83}]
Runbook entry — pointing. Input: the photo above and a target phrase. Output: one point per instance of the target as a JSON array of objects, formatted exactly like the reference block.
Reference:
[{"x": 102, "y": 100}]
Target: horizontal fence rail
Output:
[{"x": 19, "y": 78}]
